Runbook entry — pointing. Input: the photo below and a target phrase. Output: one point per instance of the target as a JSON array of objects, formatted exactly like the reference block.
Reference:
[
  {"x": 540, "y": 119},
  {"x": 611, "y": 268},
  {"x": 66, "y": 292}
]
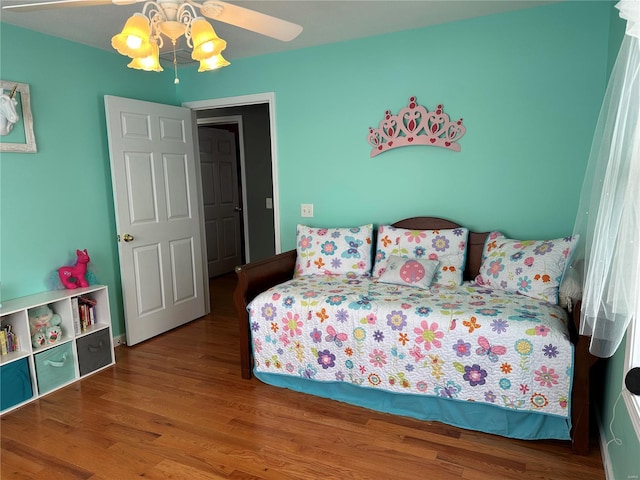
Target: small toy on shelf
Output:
[
  {"x": 45, "y": 326},
  {"x": 39, "y": 339},
  {"x": 74, "y": 276},
  {"x": 54, "y": 332}
]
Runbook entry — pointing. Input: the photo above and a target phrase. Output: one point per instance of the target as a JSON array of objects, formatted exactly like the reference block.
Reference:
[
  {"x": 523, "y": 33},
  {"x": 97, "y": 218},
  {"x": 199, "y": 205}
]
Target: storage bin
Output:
[
  {"x": 55, "y": 367},
  {"x": 94, "y": 351},
  {"x": 15, "y": 383}
]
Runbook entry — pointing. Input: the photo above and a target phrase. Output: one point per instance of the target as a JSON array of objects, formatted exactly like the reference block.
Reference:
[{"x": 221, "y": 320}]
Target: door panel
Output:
[
  {"x": 172, "y": 129},
  {"x": 184, "y": 286},
  {"x": 222, "y": 210},
  {"x": 140, "y": 188},
  {"x": 156, "y": 200},
  {"x": 148, "y": 275},
  {"x": 178, "y": 190}
]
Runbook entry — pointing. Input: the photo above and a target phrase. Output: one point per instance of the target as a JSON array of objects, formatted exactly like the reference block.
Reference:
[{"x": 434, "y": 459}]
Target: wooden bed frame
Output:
[{"x": 256, "y": 277}]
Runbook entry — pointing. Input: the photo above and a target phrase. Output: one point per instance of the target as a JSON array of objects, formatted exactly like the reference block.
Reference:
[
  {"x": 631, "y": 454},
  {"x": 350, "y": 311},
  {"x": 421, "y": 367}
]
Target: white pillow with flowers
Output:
[
  {"x": 334, "y": 251},
  {"x": 531, "y": 267}
]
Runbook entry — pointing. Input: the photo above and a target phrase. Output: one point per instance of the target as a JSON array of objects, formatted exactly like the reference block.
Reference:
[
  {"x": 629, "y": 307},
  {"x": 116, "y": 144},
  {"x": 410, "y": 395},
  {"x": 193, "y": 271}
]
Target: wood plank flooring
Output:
[{"x": 176, "y": 407}]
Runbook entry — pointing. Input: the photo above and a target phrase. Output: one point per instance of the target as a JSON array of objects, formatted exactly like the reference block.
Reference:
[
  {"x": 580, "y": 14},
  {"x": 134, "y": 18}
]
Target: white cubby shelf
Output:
[{"x": 31, "y": 372}]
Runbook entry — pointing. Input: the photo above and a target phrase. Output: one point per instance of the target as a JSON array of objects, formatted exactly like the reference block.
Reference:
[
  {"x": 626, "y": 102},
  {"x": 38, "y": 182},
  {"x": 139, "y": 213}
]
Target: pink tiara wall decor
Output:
[{"x": 415, "y": 125}]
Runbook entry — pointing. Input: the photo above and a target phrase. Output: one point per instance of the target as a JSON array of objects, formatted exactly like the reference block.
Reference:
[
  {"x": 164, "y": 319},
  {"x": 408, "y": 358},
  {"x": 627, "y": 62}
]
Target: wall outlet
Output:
[
  {"x": 306, "y": 210},
  {"x": 269, "y": 203}
]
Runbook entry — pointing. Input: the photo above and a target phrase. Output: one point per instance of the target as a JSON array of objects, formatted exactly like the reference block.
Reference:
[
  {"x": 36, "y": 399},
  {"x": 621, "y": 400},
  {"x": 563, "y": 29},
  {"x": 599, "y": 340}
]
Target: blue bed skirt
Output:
[{"x": 485, "y": 418}]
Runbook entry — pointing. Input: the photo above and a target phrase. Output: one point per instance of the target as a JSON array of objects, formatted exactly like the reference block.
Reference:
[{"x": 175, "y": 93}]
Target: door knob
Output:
[{"x": 127, "y": 238}]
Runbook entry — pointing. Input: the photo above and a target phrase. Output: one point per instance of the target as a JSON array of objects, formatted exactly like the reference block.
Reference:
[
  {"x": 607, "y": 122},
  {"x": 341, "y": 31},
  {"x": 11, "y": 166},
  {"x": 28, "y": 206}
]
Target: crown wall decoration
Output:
[{"x": 415, "y": 125}]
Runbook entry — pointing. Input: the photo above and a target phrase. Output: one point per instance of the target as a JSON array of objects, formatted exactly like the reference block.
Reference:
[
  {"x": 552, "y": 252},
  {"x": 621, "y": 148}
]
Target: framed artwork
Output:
[{"x": 16, "y": 120}]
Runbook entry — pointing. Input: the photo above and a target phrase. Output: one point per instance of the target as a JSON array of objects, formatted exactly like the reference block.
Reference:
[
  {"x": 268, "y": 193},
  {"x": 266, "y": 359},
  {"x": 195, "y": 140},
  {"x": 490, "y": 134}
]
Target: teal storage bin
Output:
[
  {"x": 55, "y": 367},
  {"x": 94, "y": 351},
  {"x": 15, "y": 383}
]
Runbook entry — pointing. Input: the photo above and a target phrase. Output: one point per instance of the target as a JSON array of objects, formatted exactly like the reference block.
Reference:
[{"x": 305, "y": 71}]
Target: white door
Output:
[
  {"x": 153, "y": 171},
  {"x": 222, "y": 209}
]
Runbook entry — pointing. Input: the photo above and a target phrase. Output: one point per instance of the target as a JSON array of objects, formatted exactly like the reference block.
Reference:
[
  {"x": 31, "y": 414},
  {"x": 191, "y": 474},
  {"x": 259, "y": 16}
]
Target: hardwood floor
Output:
[{"x": 176, "y": 407}]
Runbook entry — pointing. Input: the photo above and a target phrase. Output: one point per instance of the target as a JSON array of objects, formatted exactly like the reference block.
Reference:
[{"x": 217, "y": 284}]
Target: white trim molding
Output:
[{"x": 254, "y": 99}]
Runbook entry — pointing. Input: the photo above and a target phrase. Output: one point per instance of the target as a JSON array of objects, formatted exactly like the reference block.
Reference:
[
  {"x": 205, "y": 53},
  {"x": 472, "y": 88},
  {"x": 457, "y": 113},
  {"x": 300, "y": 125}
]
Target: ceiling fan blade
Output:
[
  {"x": 251, "y": 20},
  {"x": 50, "y": 4}
]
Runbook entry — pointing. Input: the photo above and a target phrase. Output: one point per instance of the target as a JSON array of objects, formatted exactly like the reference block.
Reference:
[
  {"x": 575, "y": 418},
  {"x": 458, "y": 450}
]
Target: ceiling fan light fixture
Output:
[
  {"x": 205, "y": 41},
  {"x": 172, "y": 29},
  {"x": 213, "y": 63},
  {"x": 143, "y": 34},
  {"x": 133, "y": 40}
]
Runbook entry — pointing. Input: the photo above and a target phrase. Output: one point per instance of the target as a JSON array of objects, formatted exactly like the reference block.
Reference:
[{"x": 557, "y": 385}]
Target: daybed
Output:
[{"x": 416, "y": 337}]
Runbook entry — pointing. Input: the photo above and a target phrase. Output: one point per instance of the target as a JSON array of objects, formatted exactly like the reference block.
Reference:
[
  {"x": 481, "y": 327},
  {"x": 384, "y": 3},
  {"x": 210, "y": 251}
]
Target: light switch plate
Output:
[{"x": 306, "y": 210}]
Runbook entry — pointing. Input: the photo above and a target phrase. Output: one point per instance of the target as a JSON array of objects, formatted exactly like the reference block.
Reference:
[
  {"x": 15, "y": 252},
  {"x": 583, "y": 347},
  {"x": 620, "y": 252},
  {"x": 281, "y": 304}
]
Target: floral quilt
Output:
[{"x": 469, "y": 343}]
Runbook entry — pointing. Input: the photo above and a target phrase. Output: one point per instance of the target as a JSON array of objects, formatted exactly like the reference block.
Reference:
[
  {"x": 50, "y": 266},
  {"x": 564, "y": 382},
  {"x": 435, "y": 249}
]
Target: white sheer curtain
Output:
[{"x": 608, "y": 217}]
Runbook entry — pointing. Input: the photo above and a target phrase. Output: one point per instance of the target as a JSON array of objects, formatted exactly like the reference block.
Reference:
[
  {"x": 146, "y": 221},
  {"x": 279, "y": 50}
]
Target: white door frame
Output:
[
  {"x": 255, "y": 99},
  {"x": 237, "y": 120}
]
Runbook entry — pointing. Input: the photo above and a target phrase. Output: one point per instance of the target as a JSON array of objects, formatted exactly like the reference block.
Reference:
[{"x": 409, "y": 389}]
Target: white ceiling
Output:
[{"x": 323, "y": 21}]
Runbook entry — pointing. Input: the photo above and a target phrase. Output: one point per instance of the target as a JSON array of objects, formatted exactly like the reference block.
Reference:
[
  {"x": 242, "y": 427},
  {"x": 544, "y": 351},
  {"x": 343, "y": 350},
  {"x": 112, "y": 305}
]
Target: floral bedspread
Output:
[{"x": 468, "y": 343}]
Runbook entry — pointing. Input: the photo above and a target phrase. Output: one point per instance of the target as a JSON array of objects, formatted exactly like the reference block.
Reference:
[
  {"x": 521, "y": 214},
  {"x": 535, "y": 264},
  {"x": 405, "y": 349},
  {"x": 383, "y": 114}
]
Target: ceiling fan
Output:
[
  {"x": 221, "y": 11},
  {"x": 142, "y": 35}
]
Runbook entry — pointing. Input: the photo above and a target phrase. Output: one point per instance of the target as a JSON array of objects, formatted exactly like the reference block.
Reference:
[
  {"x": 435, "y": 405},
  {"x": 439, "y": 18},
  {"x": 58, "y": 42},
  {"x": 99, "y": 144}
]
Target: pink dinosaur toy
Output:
[{"x": 73, "y": 277}]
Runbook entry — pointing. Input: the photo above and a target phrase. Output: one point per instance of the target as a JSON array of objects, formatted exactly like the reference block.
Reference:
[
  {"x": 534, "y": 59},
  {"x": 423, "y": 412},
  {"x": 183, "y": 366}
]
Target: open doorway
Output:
[{"x": 255, "y": 136}]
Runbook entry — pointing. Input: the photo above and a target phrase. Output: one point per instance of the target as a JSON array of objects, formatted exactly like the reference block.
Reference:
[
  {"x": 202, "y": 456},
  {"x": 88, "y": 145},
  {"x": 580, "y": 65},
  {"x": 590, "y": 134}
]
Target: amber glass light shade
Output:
[
  {"x": 211, "y": 63},
  {"x": 133, "y": 41},
  {"x": 205, "y": 41},
  {"x": 150, "y": 63}
]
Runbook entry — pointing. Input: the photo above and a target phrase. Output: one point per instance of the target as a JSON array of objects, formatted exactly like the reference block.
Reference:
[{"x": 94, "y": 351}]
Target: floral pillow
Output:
[
  {"x": 530, "y": 267},
  {"x": 408, "y": 271},
  {"x": 446, "y": 246},
  {"x": 334, "y": 251}
]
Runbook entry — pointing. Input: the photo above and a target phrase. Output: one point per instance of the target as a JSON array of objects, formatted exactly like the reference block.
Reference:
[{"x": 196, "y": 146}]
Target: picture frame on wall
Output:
[{"x": 16, "y": 120}]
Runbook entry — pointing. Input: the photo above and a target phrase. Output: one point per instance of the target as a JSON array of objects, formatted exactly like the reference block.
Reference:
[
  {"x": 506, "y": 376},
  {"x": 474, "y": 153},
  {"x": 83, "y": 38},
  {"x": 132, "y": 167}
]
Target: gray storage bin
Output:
[{"x": 94, "y": 351}]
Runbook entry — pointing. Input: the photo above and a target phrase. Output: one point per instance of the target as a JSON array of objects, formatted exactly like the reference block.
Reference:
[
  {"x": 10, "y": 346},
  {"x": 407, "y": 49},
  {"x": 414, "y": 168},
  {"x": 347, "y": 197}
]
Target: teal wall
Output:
[
  {"x": 59, "y": 199},
  {"x": 528, "y": 84}
]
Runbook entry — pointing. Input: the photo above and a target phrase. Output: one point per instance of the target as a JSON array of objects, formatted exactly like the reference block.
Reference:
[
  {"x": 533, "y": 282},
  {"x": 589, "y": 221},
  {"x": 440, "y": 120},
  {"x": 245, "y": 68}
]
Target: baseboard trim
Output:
[{"x": 604, "y": 448}]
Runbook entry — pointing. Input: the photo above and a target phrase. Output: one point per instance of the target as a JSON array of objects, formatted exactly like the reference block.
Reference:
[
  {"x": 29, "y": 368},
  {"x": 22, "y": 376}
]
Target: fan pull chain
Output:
[{"x": 175, "y": 64}]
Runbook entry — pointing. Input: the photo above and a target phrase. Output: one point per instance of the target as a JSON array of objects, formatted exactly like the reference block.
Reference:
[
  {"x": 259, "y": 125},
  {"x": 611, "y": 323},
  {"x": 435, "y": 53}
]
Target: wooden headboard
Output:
[{"x": 475, "y": 242}]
